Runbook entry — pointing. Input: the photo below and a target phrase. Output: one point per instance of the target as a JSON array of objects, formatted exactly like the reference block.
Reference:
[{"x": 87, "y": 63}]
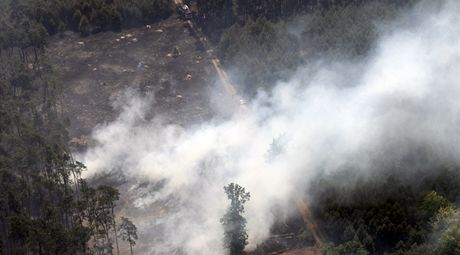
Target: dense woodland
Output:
[
  {"x": 25, "y": 22},
  {"x": 47, "y": 208},
  {"x": 45, "y": 205},
  {"x": 390, "y": 214},
  {"x": 264, "y": 41}
]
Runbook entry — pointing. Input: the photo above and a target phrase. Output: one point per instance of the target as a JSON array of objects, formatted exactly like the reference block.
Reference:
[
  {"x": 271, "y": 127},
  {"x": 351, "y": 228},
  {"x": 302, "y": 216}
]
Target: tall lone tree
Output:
[
  {"x": 235, "y": 236},
  {"x": 128, "y": 232}
]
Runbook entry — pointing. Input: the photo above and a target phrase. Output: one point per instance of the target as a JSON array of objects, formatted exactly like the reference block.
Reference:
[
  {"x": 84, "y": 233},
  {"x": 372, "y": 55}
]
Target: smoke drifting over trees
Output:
[
  {"x": 360, "y": 118},
  {"x": 353, "y": 105}
]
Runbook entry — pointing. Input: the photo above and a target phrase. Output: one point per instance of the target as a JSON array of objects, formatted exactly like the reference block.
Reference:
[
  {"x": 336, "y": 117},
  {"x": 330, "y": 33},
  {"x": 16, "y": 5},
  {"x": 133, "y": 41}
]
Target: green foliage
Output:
[
  {"x": 351, "y": 247},
  {"x": 449, "y": 244},
  {"x": 226, "y": 12},
  {"x": 45, "y": 205},
  {"x": 264, "y": 50},
  {"x": 388, "y": 215},
  {"x": 446, "y": 226},
  {"x": 235, "y": 236},
  {"x": 37, "y": 175},
  {"x": 432, "y": 202},
  {"x": 28, "y": 22},
  {"x": 445, "y": 236},
  {"x": 97, "y": 210},
  {"x": 113, "y": 15},
  {"x": 347, "y": 31}
]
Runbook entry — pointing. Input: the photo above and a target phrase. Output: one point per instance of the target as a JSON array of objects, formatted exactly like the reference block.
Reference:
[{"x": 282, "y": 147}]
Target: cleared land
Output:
[{"x": 95, "y": 70}]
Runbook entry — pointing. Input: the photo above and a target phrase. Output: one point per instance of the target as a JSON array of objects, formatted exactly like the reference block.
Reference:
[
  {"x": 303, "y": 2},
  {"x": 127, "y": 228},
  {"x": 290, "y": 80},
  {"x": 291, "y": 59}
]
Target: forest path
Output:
[
  {"x": 310, "y": 221},
  {"x": 223, "y": 77},
  {"x": 229, "y": 88}
]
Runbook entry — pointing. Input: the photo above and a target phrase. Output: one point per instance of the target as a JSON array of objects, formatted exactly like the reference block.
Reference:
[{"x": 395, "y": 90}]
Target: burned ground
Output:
[{"x": 95, "y": 70}]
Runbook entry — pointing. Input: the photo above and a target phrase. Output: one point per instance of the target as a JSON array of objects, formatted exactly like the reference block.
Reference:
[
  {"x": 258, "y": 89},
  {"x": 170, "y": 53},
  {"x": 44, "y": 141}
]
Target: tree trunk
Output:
[
  {"x": 109, "y": 243},
  {"x": 115, "y": 229},
  {"x": 131, "y": 248}
]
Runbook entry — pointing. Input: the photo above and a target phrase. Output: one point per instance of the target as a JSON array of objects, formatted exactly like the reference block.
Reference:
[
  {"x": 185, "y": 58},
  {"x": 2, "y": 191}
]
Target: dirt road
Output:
[
  {"x": 309, "y": 221},
  {"x": 229, "y": 88},
  {"x": 223, "y": 77}
]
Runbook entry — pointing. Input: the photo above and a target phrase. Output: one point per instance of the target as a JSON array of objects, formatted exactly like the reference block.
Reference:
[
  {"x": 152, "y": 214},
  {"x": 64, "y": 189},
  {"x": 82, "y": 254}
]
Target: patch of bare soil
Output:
[{"x": 96, "y": 69}]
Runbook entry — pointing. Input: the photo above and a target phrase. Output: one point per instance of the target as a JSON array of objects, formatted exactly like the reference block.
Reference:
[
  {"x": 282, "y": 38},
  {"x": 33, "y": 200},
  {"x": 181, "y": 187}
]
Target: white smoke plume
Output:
[{"x": 330, "y": 116}]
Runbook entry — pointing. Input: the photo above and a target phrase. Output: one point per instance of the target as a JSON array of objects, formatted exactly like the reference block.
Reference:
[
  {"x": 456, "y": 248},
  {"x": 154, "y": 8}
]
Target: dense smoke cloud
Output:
[{"x": 329, "y": 117}]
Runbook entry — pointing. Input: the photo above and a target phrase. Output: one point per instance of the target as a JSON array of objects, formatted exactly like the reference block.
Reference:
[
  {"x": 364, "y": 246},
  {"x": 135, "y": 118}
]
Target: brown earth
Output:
[{"x": 95, "y": 70}]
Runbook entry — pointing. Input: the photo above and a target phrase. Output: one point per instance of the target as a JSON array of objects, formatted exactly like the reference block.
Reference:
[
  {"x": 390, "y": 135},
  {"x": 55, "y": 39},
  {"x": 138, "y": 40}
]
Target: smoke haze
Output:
[{"x": 328, "y": 116}]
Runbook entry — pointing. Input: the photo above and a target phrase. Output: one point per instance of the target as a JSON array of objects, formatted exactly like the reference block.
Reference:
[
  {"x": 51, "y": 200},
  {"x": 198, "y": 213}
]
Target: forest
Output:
[
  {"x": 46, "y": 207},
  {"x": 254, "y": 36},
  {"x": 391, "y": 216},
  {"x": 28, "y": 22}
]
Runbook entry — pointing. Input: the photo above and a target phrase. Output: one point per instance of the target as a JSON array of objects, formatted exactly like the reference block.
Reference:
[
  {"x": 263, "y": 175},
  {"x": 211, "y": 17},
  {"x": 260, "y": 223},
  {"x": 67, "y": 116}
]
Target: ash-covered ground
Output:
[{"x": 95, "y": 70}]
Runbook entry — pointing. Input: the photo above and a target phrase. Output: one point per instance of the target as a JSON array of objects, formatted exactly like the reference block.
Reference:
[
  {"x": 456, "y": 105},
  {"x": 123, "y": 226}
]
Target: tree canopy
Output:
[
  {"x": 46, "y": 207},
  {"x": 27, "y": 22},
  {"x": 235, "y": 236}
]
